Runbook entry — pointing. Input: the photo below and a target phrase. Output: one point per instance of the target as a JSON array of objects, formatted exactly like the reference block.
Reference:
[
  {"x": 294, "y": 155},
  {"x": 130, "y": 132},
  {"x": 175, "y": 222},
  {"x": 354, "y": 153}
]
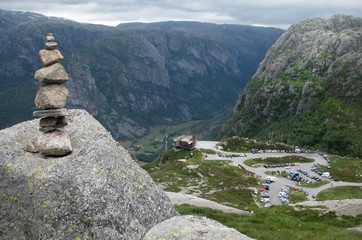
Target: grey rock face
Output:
[
  {"x": 310, "y": 56},
  {"x": 192, "y": 228},
  {"x": 48, "y": 57},
  {"x": 56, "y": 143},
  {"x": 55, "y": 73},
  {"x": 51, "y": 96},
  {"x": 97, "y": 192}
]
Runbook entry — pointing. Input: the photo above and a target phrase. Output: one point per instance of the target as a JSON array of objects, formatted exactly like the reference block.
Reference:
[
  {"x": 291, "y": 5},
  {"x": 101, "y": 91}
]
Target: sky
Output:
[{"x": 269, "y": 13}]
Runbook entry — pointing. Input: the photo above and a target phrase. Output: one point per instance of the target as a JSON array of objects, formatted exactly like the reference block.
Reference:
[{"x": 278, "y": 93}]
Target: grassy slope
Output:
[
  {"x": 229, "y": 182},
  {"x": 283, "y": 222},
  {"x": 340, "y": 193},
  {"x": 277, "y": 160}
]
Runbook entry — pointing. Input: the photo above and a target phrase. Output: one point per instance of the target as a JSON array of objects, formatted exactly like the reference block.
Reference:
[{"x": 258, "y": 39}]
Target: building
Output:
[{"x": 184, "y": 142}]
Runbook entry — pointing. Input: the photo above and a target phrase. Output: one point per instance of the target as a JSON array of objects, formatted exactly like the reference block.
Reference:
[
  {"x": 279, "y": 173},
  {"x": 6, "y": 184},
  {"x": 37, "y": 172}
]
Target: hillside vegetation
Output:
[
  {"x": 307, "y": 90},
  {"x": 188, "y": 172}
]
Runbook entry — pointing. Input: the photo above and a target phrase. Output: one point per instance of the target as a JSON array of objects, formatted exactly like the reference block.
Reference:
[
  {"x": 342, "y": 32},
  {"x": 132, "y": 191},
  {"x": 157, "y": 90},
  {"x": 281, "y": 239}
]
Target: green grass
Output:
[
  {"x": 239, "y": 144},
  {"x": 295, "y": 196},
  {"x": 283, "y": 222},
  {"x": 228, "y": 181},
  {"x": 314, "y": 184},
  {"x": 340, "y": 193},
  {"x": 241, "y": 198},
  {"x": 346, "y": 169},
  {"x": 207, "y": 151},
  {"x": 276, "y": 160}
]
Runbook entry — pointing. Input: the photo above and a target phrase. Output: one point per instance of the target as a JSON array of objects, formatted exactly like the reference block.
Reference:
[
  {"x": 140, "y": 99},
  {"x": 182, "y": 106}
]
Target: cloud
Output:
[{"x": 277, "y": 13}]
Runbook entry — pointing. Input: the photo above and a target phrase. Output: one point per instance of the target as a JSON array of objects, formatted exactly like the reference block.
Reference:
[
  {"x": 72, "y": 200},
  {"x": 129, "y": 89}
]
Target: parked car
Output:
[{"x": 268, "y": 205}]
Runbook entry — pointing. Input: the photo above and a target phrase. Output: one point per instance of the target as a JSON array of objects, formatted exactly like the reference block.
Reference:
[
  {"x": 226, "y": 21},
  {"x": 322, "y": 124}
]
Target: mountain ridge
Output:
[
  {"x": 306, "y": 91},
  {"x": 132, "y": 79}
]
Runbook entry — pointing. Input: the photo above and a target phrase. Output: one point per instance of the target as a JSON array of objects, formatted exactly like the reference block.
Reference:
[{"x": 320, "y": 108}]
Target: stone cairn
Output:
[{"x": 50, "y": 100}]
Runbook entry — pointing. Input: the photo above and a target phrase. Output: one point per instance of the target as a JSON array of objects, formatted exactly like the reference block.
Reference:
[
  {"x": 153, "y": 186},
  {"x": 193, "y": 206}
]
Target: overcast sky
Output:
[{"x": 276, "y": 13}]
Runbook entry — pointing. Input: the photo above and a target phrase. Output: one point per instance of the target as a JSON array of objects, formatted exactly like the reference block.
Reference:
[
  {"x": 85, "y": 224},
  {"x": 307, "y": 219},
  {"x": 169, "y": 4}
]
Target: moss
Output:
[
  {"x": 31, "y": 185},
  {"x": 45, "y": 204}
]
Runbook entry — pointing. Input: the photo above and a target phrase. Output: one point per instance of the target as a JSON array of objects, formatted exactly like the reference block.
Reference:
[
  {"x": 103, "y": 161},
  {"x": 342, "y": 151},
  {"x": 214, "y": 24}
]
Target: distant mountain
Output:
[
  {"x": 132, "y": 76},
  {"x": 307, "y": 90}
]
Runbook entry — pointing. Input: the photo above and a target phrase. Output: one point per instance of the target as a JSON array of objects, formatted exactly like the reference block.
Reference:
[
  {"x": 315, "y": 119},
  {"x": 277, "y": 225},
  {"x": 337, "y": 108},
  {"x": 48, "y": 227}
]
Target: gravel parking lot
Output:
[{"x": 275, "y": 187}]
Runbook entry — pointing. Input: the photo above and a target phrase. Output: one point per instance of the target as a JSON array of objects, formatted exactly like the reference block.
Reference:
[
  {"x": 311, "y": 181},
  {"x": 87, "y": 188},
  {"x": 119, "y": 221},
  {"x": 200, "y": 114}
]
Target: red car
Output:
[{"x": 262, "y": 189}]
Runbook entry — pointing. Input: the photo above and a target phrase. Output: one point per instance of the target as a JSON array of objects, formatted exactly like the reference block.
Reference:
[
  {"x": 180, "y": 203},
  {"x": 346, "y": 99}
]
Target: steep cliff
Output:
[
  {"x": 307, "y": 90},
  {"x": 132, "y": 76}
]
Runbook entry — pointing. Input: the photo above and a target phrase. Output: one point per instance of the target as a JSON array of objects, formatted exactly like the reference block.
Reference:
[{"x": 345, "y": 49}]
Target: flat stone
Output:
[
  {"x": 51, "y": 45},
  {"x": 50, "y": 37},
  {"x": 49, "y": 124},
  {"x": 50, "y": 129},
  {"x": 55, "y": 143},
  {"x": 51, "y": 96},
  {"x": 55, "y": 73},
  {"x": 51, "y": 113},
  {"x": 53, "y": 121},
  {"x": 31, "y": 147},
  {"x": 48, "y": 57}
]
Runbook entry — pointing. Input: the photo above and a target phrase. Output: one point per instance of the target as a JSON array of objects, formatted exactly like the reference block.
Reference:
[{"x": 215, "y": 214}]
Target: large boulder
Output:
[
  {"x": 96, "y": 192},
  {"x": 193, "y": 228}
]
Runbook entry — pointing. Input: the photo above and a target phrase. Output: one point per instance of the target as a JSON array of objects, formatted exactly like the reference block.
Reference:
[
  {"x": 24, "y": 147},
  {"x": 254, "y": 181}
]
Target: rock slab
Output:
[
  {"x": 97, "y": 192},
  {"x": 193, "y": 228}
]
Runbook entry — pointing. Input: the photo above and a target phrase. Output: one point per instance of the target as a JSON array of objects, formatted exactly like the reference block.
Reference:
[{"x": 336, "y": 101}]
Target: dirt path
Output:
[{"x": 181, "y": 198}]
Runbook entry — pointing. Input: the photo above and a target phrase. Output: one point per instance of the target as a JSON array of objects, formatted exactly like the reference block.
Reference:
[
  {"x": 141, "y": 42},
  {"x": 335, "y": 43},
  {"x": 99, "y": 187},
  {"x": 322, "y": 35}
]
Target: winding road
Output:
[{"x": 276, "y": 187}]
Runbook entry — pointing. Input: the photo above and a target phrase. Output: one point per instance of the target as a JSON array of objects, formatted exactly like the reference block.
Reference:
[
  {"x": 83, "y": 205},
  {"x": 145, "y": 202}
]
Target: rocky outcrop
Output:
[
  {"x": 192, "y": 228},
  {"x": 97, "y": 192},
  {"x": 307, "y": 89}
]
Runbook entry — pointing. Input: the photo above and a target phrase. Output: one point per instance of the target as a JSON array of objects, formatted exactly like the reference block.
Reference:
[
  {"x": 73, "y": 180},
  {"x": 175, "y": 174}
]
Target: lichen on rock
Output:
[{"x": 93, "y": 193}]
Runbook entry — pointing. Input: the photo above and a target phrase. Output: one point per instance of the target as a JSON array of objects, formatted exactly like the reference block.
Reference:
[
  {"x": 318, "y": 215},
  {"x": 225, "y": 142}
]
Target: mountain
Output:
[
  {"x": 133, "y": 76},
  {"x": 307, "y": 90}
]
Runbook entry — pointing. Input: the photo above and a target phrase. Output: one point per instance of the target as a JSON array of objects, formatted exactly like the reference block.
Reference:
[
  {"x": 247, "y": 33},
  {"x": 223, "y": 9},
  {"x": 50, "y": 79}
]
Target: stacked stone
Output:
[{"x": 50, "y": 100}]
